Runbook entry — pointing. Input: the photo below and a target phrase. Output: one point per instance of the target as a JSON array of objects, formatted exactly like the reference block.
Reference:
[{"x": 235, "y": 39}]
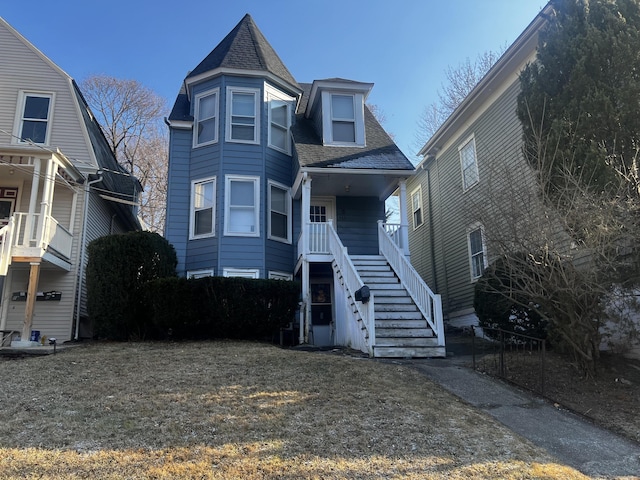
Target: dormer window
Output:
[
  {"x": 343, "y": 118},
  {"x": 34, "y": 117}
]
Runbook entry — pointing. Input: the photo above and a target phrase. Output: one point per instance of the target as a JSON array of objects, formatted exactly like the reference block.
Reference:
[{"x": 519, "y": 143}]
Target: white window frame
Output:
[
  {"x": 197, "y": 119},
  {"x": 417, "y": 191},
  {"x": 202, "y": 273},
  {"x": 287, "y": 213},
  {"x": 273, "y": 275},
  {"x": 275, "y": 98},
  {"x": 241, "y": 272},
  {"x": 228, "y": 207},
  {"x": 192, "y": 209},
  {"x": 20, "y": 119},
  {"x": 328, "y": 119},
  {"x": 472, "y": 255},
  {"x": 256, "y": 114},
  {"x": 471, "y": 168}
]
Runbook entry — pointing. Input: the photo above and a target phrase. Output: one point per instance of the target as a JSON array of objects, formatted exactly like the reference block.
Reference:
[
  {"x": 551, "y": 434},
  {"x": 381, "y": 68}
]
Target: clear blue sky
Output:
[{"x": 402, "y": 46}]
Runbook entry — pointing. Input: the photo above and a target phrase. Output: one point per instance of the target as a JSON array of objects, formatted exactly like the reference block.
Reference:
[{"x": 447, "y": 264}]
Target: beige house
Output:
[{"x": 60, "y": 188}]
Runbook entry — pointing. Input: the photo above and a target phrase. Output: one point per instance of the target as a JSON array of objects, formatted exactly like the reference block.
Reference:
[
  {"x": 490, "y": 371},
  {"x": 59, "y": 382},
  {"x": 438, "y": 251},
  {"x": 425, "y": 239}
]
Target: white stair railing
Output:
[
  {"x": 429, "y": 303},
  {"x": 6, "y": 239},
  {"x": 353, "y": 282}
]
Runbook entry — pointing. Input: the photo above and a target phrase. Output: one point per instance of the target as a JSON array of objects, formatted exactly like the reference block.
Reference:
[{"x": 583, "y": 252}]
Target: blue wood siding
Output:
[{"x": 357, "y": 219}]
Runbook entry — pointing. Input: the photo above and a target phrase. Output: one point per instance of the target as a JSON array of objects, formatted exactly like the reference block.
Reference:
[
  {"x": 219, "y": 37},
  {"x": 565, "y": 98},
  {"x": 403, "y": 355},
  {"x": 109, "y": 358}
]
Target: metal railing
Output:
[
  {"x": 352, "y": 282},
  {"x": 518, "y": 358},
  {"x": 429, "y": 303}
]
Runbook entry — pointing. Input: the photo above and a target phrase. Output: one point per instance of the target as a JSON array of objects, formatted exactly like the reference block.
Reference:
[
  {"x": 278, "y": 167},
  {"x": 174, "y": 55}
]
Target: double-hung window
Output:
[
  {"x": 469, "y": 163},
  {"x": 416, "y": 207},
  {"x": 477, "y": 252},
  {"x": 242, "y": 206},
  {"x": 343, "y": 118},
  {"x": 206, "y": 118},
  {"x": 203, "y": 199},
  {"x": 279, "y": 213},
  {"x": 243, "y": 119},
  {"x": 35, "y": 117},
  {"x": 280, "y": 106}
]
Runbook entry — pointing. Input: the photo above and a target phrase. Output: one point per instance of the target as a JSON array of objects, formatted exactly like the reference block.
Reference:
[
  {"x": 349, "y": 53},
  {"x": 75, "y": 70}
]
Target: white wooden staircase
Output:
[{"x": 400, "y": 328}]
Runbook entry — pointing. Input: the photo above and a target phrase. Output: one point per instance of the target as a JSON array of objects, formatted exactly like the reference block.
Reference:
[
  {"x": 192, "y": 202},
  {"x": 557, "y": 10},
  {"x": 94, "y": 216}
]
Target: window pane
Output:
[
  {"x": 279, "y": 115},
  {"x": 478, "y": 265},
  {"x": 417, "y": 217},
  {"x": 241, "y": 132},
  {"x": 475, "y": 239},
  {"x": 203, "y": 221},
  {"x": 278, "y": 199},
  {"x": 242, "y": 193},
  {"x": 34, "y": 131},
  {"x": 207, "y": 131},
  {"x": 342, "y": 107},
  {"x": 242, "y": 220},
  {"x": 243, "y": 104},
  {"x": 278, "y": 225},
  {"x": 207, "y": 107},
  {"x": 279, "y": 137},
  {"x": 36, "y": 107},
  {"x": 203, "y": 195},
  {"x": 344, "y": 132}
]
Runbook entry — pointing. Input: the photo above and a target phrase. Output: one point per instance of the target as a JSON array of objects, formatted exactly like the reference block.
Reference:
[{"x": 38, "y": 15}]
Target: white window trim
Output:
[
  {"x": 274, "y": 275},
  {"x": 471, "y": 140},
  {"x": 273, "y": 95},
  {"x": 205, "y": 272},
  {"x": 227, "y": 200},
  {"x": 473, "y": 228},
  {"x": 256, "y": 111},
  {"x": 241, "y": 272},
  {"x": 327, "y": 119},
  {"x": 413, "y": 218},
  {"x": 192, "y": 235},
  {"x": 22, "y": 99},
  {"x": 271, "y": 183},
  {"x": 216, "y": 92}
]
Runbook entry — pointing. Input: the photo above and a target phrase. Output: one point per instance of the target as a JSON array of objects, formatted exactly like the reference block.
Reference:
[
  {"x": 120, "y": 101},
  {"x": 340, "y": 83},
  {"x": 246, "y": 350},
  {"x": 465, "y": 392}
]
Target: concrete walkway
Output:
[{"x": 571, "y": 439}]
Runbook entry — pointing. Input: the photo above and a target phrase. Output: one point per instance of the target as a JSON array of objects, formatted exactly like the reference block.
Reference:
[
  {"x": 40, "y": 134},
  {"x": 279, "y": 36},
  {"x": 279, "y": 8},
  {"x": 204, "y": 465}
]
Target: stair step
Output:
[
  {"x": 385, "y": 300},
  {"x": 380, "y": 274},
  {"x": 406, "y": 342},
  {"x": 383, "y": 323},
  {"x": 395, "y": 315},
  {"x": 398, "y": 291},
  {"x": 409, "y": 352},
  {"x": 379, "y": 281},
  {"x": 404, "y": 333},
  {"x": 395, "y": 307}
]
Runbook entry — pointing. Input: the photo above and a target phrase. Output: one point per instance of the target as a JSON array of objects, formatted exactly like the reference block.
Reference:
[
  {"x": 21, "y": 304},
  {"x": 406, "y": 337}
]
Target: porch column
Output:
[
  {"x": 47, "y": 201},
  {"x": 32, "y": 291},
  {"x": 35, "y": 185},
  {"x": 404, "y": 220},
  {"x": 305, "y": 315}
]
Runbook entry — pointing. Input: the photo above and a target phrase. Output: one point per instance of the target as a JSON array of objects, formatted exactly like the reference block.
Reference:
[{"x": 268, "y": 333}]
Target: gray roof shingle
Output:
[{"x": 245, "y": 48}]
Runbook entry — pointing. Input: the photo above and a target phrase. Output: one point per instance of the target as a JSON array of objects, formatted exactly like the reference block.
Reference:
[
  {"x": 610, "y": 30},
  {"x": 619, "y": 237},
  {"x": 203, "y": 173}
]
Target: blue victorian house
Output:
[{"x": 271, "y": 178}]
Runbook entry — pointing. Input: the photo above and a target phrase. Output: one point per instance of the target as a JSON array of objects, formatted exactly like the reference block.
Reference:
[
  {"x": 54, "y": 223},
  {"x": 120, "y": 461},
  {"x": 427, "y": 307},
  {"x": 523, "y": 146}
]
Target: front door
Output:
[
  {"x": 321, "y": 312},
  {"x": 8, "y": 197}
]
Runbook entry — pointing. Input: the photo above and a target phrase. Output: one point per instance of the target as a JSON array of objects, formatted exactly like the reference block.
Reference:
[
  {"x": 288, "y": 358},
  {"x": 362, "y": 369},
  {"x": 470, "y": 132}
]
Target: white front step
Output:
[{"x": 409, "y": 352}]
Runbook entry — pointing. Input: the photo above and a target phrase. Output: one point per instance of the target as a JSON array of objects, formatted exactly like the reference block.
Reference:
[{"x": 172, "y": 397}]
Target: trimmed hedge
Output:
[
  {"x": 218, "y": 307},
  {"x": 118, "y": 268}
]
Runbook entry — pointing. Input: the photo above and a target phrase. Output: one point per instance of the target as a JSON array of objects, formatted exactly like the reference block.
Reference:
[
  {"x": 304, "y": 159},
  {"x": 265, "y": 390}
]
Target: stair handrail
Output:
[
  {"x": 6, "y": 241},
  {"x": 429, "y": 303},
  {"x": 353, "y": 282}
]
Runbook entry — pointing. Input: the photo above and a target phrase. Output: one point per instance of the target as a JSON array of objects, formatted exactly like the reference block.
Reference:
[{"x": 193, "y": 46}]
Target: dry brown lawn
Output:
[{"x": 227, "y": 410}]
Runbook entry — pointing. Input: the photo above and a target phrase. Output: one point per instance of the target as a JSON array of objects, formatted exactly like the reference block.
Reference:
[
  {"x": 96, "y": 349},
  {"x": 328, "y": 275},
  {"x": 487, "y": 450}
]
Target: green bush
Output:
[
  {"x": 218, "y": 307},
  {"x": 118, "y": 268},
  {"x": 499, "y": 303}
]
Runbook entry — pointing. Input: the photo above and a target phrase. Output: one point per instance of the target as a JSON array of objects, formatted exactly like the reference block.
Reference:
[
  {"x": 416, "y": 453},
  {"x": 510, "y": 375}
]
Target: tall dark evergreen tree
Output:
[{"x": 580, "y": 99}]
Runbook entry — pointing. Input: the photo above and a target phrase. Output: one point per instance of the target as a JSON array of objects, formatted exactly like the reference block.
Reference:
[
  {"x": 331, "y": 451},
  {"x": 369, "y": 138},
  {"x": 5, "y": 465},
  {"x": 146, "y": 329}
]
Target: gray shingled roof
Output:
[
  {"x": 380, "y": 152},
  {"x": 245, "y": 48}
]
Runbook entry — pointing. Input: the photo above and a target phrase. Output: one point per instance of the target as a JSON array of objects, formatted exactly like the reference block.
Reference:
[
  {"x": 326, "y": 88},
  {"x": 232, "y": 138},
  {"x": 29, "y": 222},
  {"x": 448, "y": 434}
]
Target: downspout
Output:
[{"x": 83, "y": 250}]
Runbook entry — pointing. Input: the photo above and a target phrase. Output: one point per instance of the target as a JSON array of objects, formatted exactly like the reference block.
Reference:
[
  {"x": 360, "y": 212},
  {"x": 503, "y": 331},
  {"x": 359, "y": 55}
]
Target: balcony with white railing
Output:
[{"x": 31, "y": 235}]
